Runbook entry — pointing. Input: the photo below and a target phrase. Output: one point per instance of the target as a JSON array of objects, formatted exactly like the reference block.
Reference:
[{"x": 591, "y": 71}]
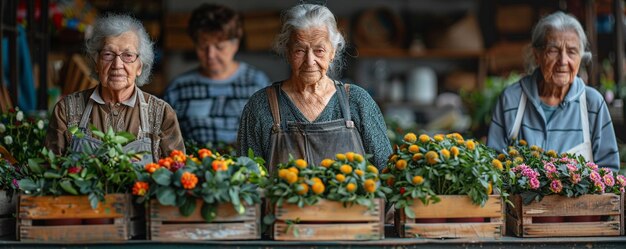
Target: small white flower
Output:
[
  {"x": 2, "y": 128},
  {"x": 8, "y": 140},
  {"x": 19, "y": 116},
  {"x": 40, "y": 124}
]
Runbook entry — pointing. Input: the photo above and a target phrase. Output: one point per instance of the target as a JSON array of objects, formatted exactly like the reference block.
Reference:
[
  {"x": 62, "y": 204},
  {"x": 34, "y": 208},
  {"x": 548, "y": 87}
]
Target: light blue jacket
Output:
[{"x": 564, "y": 129}]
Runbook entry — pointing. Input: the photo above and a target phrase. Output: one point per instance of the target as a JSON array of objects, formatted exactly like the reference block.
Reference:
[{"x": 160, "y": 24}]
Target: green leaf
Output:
[
  {"x": 188, "y": 207},
  {"x": 120, "y": 140},
  {"x": 93, "y": 200},
  {"x": 269, "y": 219},
  {"x": 208, "y": 212},
  {"x": 27, "y": 184},
  {"x": 67, "y": 186},
  {"x": 33, "y": 164},
  {"x": 409, "y": 212},
  {"x": 234, "y": 197},
  {"x": 52, "y": 175},
  {"x": 166, "y": 196},
  {"x": 162, "y": 177},
  {"x": 97, "y": 133}
]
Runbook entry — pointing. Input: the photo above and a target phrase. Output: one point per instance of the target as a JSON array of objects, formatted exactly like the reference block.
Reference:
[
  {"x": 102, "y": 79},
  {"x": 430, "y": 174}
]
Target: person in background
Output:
[
  {"x": 210, "y": 98},
  {"x": 121, "y": 56},
  {"x": 311, "y": 115},
  {"x": 552, "y": 107}
]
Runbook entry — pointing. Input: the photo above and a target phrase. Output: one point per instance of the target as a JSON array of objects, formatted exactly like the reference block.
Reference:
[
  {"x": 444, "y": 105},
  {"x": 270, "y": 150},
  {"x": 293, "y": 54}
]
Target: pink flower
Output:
[
  {"x": 534, "y": 183},
  {"x": 600, "y": 186},
  {"x": 556, "y": 186},
  {"x": 595, "y": 176},
  {"x": 621, "y": 189},
  {"x": 16, "y": 183},
  {"x": 609, "y": 180},
  {"x": 549, "y": 167},
  {"x": 575, "y": 178},
  {"x": 592, "y": 166},
  {"x": 606, "y": 171},
  {"x": 621, "y": 180},
  {"x": 571, "y": 167}
]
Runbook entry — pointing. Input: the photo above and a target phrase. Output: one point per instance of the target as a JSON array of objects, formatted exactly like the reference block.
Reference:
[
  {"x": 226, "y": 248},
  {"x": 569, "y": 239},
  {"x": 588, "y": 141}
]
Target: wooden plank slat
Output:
[
  {"x": 458, "y": 206},
  {"x": 87, "y": 233},
  {"x": 454, "y": 230},
  {"x": 553, "y": 205},
  {"x": 225, "y": 212},
  {"x": 7, "y": 226},
  {"x": 572, "y": 229},
  {"x": 330, "y": 211},
  {"x": 205, "y": 231},
  {"x": 316, "y": 232},
  {"x": 68, "y": 207}
]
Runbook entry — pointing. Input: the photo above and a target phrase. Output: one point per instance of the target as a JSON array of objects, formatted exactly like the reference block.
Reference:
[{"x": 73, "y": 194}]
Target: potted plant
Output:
[
  {"x": 537, "y": 177},
  {"x": 208, "y": 189},
  {"x": 337, "y": 195},
  {"x": 426, "y": 173},
  {"x": 95, "y": 179}
]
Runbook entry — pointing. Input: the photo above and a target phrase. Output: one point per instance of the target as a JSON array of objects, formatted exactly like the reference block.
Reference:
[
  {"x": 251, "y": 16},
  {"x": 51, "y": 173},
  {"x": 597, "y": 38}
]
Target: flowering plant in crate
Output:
[
  {"x": 349, "y": 179},
  {"x": 534, "y": 173},
  {"x": 21, "y": 138},
  {"x": 93, "y": 172},
  {"x": 179, "y": 180},
  {"x": 423, "y": 167}
]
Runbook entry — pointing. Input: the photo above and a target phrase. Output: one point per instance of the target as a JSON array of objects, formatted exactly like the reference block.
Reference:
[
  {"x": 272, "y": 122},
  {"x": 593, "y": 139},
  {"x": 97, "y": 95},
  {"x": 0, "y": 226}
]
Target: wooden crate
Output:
[
  {"x": 453, "y": 206},
  {"x": 8, "y": 206},
  {"x": 330, "y": 220},
  {"x": 34, "y": 210},
  {"x": 609, "y": 206},
  {"x": 167, "y": 224}
]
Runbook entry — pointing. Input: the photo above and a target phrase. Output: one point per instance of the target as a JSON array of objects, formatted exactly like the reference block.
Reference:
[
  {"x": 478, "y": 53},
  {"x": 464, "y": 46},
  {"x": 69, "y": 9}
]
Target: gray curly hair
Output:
[
  {"x": 114, "y": 25},
  {"x": 305, "y": 16},
  {"x": 557, "y": 21}
]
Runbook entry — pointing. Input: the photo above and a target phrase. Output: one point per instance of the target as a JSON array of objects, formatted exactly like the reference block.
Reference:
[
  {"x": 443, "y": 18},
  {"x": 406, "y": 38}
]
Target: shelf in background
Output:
[{"x": 427, "y": 54}]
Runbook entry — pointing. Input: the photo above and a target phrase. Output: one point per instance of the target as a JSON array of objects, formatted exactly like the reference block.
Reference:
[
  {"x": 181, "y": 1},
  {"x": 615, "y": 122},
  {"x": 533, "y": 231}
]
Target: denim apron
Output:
[
  {"x": 143, "y": 142},
  {"x": 584, "y": 149},
  {"x": 312, "y": 142}
]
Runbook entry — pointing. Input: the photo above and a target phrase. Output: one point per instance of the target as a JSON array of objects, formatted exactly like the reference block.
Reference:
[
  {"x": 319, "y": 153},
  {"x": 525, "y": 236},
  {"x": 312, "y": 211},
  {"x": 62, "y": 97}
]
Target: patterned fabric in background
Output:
[{"x": 209, "y": 110}]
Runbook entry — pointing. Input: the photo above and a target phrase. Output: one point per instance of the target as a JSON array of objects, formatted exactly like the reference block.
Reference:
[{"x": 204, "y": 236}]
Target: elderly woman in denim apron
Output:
[
  {"x": 311, "y": 115},
  {"x": 121, "y": 56},
  {"x": 552, "y": 107}
]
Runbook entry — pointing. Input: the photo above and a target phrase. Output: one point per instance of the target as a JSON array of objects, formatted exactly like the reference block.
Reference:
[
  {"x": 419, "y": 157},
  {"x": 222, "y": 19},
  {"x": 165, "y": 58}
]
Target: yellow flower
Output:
[
  {"x": 318, "y": 188},
  {"x": 302, "y": 189},
  {"x": 424, "y": 138},
  {"x": 316, "y": 179},
  {"x": 346, "y": 169},
  {"x": 294, "y": 170},
  {"x": 470, "y": 144},
  {"x": 455, "y": 151},
  {"x": 551, "y": 153},
  {"x": 369, "y": 185},
  {"x": 372, "y": 169},
  {"x": 536, "y": 154},
  {"x": 417, "y": 156},
  {"x": 327, "y": 162},
  {"x": 497, "y": 164},
  {"x": 438, "y": 137},
  {"x": 410, "y": 137},
  {"x": 351, "y": 187},
  {"x": 513, "y": 152},
  {"x": 518, "y": 160},
  {"x": 340, "y": 177},
  {"x": 393, "y": 158},
  {"x": 291, "y": 177},
  {"x": 340, "y": 157},
  {"x": 508, "y": 163},
  {"x": 534, "y": 148},
  {"x": 501, "y": 157},
  {"x": 489, "y": 189},
  {"x": 417, "y": 180},
  {"x": 358, "y": 172},
  {"x": 445, "y": 153},
  {"x": 350, "y": 156},
  {"x": 414, "y": 149},
  {"x": 401, "y": 164},
  {"x": 522, "y": 142},
  {"x": 282, "y": 173},
  {"x": 358, "y": 157},
  {"x": 300, "y": 163},
  {"x": 431, "y": 157}
]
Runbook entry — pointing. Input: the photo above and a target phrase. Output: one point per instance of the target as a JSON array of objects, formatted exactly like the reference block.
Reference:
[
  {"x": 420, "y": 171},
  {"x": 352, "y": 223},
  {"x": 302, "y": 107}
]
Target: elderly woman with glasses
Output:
[
  {"x": 310, "y": 115},
  {"x": 121, "y": 57},
  {"x": 552, "y": 107}
]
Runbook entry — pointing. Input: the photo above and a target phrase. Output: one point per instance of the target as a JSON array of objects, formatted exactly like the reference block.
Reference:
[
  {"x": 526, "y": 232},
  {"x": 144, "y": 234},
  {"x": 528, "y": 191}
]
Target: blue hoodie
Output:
[{"x": 564, "y": 129}]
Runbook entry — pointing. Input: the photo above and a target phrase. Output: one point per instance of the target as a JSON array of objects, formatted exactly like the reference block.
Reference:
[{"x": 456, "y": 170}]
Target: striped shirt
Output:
[
  {"x": 209, "y": 110},
  {"x": 563, "y": 130}
]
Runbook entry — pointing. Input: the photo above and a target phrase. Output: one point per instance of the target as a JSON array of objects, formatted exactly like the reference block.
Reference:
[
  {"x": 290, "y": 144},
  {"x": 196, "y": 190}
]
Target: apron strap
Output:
[
  {"x": 85, "y": 118},
  {"x": 585, "y": 118},
  {"x": 518, "y": 118},
  {"x": 272, "y": 98},
  {"x": 344, "y": 103},
  {"x": 144, "y": 128}
]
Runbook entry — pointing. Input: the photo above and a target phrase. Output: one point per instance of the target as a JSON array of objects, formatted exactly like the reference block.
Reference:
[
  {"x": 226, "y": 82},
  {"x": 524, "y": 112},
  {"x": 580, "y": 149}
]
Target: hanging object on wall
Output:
[{"x": 379, "y": 28}]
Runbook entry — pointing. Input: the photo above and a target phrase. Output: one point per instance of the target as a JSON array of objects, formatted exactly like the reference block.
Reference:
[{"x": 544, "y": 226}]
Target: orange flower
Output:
[
  {"x": 470, "y": 144},
  {"x": 410, "y": 137},
  {"x": 369, "y": 185},
  {"x": 202, "y": 153},
  {"x": 438, "y": 137},
  {"x": 346, "y": 169},
  {"x": 350, "y": 156},
  {"x": 318, "y": 188},
  {"x": 140, "y": 188},
  {"x": 302, "y": 189},
  {"x": 351, "y": 187},
  {"x": 424, "y": 138},
  {"x": 178, "y": 156},
  {"x": 359, "y": 172},
  {"x": 417, "y": 180},
  {"x": 220, "y": 165},
  {"x": 414, "y": 149},
  {"x": 340, "y": 177},
  {"x": 371, "y": 168},
  {"x": 151, "y": 167},
  {"x": 417, "y": 156},
  {"x": 189, "y": 180},
  {"x": 497, "y": 164},
  {"x": 455, "y": 151},
  {"x": 401, "y": 164},
  {"x": 431, "y": 157},
  {"x": 340, "y": 157},
  {"x": 301, "y": 163},
  {"x": 445, "y": 153},
  {"x": 327, "y": 162},
  {"x": 166, "y": 162},
  {"x": 291, "y": 177}
]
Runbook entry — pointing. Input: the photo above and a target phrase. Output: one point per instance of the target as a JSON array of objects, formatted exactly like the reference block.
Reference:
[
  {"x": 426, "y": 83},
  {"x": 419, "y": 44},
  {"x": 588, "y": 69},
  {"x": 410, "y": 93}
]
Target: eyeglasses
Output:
[{"x": 127, "y": 57}]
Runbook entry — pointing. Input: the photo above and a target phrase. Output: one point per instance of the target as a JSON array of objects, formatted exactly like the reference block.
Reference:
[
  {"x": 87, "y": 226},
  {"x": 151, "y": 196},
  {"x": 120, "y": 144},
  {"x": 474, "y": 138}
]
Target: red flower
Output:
[
  {"x": 189, "y": 180},
  {"x": 74, "y": 169},
  {"x": 140, "y": 188},
  {"x": 402, "y": 190}
]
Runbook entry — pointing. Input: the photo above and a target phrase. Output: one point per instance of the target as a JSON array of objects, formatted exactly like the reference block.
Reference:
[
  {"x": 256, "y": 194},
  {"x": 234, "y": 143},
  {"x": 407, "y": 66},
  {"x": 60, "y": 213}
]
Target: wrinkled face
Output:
[
  {"x": 310, "y": 53},
  {"x": 216, "y": 55},
  {"x": 560, "y": 60},
  {"x": 113, "y": 72}
]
